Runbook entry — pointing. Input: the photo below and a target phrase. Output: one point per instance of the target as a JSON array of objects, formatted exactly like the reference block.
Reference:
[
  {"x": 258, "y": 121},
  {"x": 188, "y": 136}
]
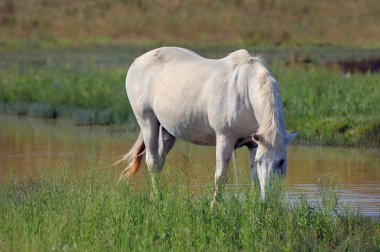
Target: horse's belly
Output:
[
  {"x": 181, "y": 108},
  {"x": 193, "y": 134},
  {"x": 185, "y": 123}
]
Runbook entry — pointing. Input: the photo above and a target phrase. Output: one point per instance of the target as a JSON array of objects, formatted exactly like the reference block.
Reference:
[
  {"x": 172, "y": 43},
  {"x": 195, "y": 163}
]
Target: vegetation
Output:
[
  {"x": 258, "y": 22},
  {"x": 56, "y": 212}
]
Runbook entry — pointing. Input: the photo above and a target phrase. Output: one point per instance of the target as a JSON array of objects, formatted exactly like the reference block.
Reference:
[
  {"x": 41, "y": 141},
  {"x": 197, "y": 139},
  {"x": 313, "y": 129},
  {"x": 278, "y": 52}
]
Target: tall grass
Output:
[{"x": 56, "y": 212}]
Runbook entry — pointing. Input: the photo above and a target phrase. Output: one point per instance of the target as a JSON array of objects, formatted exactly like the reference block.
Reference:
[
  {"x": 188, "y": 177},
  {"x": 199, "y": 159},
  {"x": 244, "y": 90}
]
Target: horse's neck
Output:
[{"x": 266, "y": 104}]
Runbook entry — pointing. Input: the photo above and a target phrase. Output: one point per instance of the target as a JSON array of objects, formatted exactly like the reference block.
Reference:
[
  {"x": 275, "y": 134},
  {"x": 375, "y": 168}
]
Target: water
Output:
[
  {"x": 29, "y": 145},
  {"x": 114, "y": 56}
]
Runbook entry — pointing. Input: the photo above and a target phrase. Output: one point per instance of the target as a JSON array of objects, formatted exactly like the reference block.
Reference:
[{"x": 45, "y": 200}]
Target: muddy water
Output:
[{"x": 31, "y": 145}]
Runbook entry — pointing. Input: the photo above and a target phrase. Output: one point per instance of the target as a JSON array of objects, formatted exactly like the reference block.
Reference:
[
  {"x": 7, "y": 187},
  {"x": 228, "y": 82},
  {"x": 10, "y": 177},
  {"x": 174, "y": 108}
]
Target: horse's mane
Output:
[{"x": 272, "y": 124}]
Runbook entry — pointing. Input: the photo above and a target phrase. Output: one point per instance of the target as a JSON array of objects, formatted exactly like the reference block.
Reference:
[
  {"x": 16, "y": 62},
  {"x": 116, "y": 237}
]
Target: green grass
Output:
[
  {"x": 329, "y": 108},
  {"x": 88, "y": 96},
  {"x": 56, "y": 212},
  {"x": 324, "y": 106}
]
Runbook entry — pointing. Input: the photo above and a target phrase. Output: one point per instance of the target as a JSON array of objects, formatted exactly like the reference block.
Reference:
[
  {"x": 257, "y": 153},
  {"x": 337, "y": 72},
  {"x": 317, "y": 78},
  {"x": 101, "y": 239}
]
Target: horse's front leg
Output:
[
  {"x": 252, "y": 157},
  {"x": 224, "y": 149}
]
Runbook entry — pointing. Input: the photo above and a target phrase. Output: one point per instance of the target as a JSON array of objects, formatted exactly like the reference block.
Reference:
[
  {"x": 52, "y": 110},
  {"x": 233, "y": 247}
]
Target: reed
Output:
[{"x": 58, "y": 212}]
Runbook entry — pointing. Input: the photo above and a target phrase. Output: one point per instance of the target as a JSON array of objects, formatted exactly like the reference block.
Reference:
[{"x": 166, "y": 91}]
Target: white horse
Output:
[{"x": 229, "y": 102}]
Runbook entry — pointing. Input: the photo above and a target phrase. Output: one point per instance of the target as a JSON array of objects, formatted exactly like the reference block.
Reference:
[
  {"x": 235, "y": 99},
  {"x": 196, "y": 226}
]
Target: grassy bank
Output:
[
  {"x": 329, "y": 108},
  {"x": 88, "y": 96},
  {"x": 275, "y": 22},
  {"x": 56, "y": 212},
  {"x": 323, "y": 105}
]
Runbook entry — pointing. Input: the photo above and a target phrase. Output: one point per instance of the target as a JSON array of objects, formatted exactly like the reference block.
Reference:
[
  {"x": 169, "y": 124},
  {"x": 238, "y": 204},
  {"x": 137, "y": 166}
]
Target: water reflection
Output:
[{"x": 28, "y": 145}]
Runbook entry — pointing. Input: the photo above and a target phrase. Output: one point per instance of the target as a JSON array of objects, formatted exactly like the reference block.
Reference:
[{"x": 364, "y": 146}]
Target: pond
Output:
[{"x": 29, "y": 145}]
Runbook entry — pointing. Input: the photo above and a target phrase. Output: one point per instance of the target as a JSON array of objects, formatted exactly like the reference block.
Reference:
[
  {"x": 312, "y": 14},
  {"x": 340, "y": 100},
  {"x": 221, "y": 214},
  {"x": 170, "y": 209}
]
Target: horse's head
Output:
[{"x": 270, "y": 159}]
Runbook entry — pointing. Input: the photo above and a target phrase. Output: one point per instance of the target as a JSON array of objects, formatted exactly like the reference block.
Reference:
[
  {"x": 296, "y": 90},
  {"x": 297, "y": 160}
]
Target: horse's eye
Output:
[
  {"x": 258, "y": 161},
  {"x": 281, "y": 162}
]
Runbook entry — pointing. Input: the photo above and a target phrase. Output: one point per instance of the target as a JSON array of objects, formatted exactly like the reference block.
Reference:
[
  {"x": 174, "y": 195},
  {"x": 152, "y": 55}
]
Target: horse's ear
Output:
[
  {"x": 290, "y": 137},
  {"x": 257, "y": 138}
]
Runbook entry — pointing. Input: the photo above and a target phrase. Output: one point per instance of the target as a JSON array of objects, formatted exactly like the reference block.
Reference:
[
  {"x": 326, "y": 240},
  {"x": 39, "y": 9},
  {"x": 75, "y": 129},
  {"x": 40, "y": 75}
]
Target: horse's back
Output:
[
  {"x": 163, "y": 60},
  {"x": 164, "y": 55},
  {"x": 171, "y": 71}
]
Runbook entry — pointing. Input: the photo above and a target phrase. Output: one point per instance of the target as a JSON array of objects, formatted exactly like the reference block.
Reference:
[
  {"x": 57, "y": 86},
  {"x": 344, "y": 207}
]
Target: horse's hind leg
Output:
[{"x": 150, "y": 130}]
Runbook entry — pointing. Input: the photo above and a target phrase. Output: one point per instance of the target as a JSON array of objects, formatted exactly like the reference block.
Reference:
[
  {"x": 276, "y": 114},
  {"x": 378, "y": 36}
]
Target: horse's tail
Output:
[{"x": 133, "y": 158}]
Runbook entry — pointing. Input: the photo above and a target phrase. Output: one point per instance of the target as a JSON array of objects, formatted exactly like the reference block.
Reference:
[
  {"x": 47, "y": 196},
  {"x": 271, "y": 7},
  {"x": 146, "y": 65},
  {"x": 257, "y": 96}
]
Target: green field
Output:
[
  {"x": 57, "y": 212},
  {"x": 325, "y": 106},
  {"x": 257, "y": 22}
]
